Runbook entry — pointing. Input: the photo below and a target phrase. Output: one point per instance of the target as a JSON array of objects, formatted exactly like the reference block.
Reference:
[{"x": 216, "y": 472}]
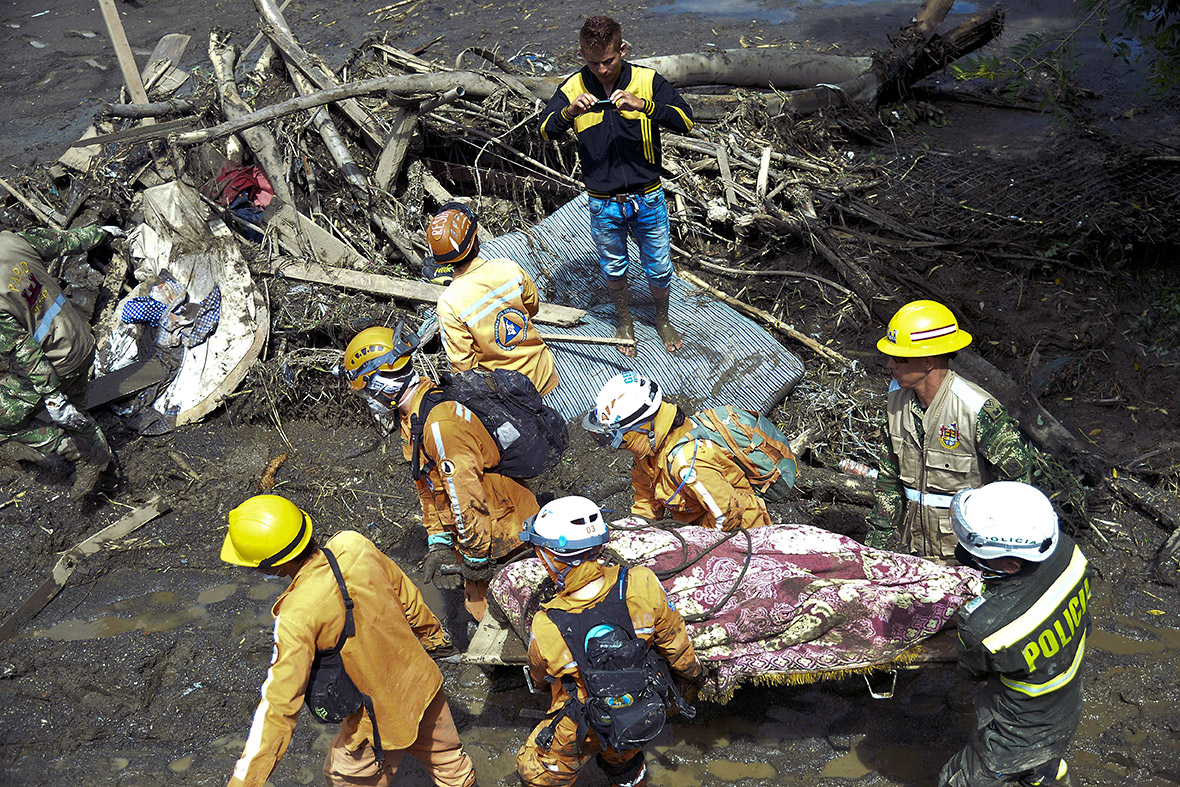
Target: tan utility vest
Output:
[
  {"x": 933, "y": 471},
  {"x": 36, "y": 301}
]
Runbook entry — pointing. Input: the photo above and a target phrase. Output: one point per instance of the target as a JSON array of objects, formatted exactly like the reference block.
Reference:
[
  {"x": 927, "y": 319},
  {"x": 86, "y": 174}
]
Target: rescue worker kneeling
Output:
[
  {"x": 472, "y": 517},
  {"x": 604, "y": 645},
  {"x": 1026, "y": 635},
  {"x": 697, "y": 482},
  {"x": 353, "y": 639}
]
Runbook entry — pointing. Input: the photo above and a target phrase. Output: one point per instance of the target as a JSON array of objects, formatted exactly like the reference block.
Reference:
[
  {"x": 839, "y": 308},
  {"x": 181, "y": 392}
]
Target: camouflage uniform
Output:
[
  {"x": 997, "y": 443},
  {"x": 48, "y": 357}
]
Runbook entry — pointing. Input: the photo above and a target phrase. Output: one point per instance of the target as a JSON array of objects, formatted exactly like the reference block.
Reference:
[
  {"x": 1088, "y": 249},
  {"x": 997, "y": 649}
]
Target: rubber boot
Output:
[
  {"x": 89, "y": 470},
  {"x": 626, "y": 326},
  {"x": 668, "y": 334}
]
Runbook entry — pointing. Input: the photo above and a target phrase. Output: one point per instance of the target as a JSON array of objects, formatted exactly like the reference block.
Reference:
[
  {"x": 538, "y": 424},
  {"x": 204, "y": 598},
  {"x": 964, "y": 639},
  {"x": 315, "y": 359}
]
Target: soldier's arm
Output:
[
  {"x": 668, "y": 108},
  {"x": 30, "y": 376},
  {"x": 51, "y": 243},
  {"x": 997, "y": 437},
  {"x": 888, "y": 499}
]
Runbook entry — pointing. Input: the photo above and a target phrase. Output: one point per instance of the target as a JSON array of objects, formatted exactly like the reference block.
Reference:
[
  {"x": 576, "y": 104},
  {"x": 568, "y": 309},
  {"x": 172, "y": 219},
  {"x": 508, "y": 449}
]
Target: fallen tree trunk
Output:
[{"x": 756, "y": 67}]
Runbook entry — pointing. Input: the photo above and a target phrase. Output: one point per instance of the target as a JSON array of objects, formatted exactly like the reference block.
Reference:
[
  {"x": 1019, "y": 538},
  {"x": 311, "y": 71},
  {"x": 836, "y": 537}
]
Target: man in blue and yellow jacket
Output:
[
  {"x": 1026, "y": 636},
  {"x": 616, "y": 109}
]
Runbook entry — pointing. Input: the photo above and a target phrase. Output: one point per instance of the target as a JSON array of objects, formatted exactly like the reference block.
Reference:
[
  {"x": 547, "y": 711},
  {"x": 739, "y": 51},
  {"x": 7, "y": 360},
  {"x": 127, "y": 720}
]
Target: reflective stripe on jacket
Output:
[
  {"x": 704, "y": 483},
  {"x": 486, "y": 319},
  {"x": 482, "y": 512},
  {"x": 933, "y": 469},
  {"x": 385, "y": 658},
  {"x": 619, "y": 151},
  {"x": 1027, "y": 635}
]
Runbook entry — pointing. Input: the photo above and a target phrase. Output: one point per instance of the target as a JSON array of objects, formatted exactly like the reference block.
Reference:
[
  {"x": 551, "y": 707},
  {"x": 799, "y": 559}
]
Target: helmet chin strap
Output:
[{"x": 558, "y": 574}]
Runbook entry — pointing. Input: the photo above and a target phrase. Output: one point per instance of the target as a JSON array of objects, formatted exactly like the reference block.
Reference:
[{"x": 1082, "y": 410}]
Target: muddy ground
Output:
[{"x": 145, "y": 670}]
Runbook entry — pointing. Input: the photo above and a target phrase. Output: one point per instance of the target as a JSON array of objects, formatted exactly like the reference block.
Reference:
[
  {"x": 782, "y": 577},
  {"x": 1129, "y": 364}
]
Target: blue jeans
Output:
[{"x": 646, "y": 216}]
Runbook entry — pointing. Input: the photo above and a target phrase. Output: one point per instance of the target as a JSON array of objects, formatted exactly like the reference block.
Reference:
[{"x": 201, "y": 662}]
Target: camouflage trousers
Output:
[{"x": 87, "y": 443}]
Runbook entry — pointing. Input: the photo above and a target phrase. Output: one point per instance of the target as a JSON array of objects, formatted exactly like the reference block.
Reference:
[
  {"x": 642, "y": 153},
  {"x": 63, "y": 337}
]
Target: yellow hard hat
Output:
[
  {"x": 265, "y": 531},
  {"x": 378, "y": 349},
  {"x": 922, "y": 328}
]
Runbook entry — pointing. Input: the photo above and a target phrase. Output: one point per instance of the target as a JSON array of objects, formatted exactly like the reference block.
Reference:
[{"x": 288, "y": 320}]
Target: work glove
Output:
[
  {"x": 63, "y": 413},
  {"x": 112, "y": 231},
  {"x": 439, "y": 559},
  {"x": 477, "y": 569}
]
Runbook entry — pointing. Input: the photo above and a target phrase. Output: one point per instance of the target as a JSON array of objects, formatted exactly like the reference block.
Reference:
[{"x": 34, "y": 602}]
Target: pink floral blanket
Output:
[{"x": 788, "y": 602}]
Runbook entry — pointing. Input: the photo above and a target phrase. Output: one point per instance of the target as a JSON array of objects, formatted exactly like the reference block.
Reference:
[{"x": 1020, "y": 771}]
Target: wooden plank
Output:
[
  {"x": 605, "y": 340},
  {"x": 123, "y": 54},
  {"x": 138, "y": 133},
  {"x": 120, "y": 383},
  {"x": 161, "y": 75},
  {"x": 296, "y": 232},
  {"x": 70, "y": 560},
  {"x": 495, "y": 644}
]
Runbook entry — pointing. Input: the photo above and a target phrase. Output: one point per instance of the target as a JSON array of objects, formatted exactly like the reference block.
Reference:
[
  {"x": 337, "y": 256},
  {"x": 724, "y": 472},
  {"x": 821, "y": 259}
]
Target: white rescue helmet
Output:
[
  {"x": 1005, "y": 519},
  {"x": 572, "y": 528},
  {"x": 626, "y": 401}
]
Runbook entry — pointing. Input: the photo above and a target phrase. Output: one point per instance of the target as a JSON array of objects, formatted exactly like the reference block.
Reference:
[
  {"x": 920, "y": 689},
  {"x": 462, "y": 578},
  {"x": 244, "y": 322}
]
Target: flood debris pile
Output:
[{"x": 327, "y": 177}]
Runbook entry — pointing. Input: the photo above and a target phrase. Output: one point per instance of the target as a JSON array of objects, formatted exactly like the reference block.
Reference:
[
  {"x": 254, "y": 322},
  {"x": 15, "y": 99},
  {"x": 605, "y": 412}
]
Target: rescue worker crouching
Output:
[
  {"x": 486, "y": 313},
  {"x": 943, "y": 433},
  {"x": 1026, "y": 635},
  {"x": 599, "y": 614},
  {"x": 46, "y": 349},
  {"x": 386, "y": 637},
  {"x": 698, "y": 483},
  {"x": 472, "y": 517}
]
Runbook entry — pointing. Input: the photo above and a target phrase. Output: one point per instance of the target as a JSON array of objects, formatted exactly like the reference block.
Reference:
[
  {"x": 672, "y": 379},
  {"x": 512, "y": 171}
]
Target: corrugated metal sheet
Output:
[{"x": 726, "y": 358}]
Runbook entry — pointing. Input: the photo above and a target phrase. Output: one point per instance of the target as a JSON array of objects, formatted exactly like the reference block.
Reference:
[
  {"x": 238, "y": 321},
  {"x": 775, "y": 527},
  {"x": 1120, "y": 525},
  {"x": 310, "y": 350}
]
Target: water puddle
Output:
[
  {"x": 159, "y": 611},
  {"x": 771, "y": 13},
  {"x": 745, "y": 10}
]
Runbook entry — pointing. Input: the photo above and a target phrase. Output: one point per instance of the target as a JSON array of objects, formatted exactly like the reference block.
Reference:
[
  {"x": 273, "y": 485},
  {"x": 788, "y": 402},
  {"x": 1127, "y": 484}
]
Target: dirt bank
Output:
[{"x": 145, "y": 670}]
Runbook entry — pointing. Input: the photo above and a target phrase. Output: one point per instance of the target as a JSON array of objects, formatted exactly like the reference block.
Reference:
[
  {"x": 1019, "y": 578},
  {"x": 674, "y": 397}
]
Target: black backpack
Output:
[
  {"x": 531, "y": 435},
  {"x": 629, "y": 686},
  {"x": 331, "y": 695}
]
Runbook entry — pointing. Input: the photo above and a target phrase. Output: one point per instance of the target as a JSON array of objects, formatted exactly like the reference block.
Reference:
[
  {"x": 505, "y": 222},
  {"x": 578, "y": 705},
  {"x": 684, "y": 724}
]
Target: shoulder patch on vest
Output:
[{"x": 967, "y": 395}]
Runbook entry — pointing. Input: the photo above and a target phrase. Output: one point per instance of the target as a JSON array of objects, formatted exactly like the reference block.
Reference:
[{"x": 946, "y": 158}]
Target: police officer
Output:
[
  {"x": 46, "y": 349},
  {"x": 386, "y": 656},
  {"x": 1026, "y": 636},
  {"x": 697, "y": 482},
  {"x": 568, "y": 536},
  {"x": 943, "y": 433},
  {"x": 472, "y": 517},
  {"x": 486, "y": 313}
]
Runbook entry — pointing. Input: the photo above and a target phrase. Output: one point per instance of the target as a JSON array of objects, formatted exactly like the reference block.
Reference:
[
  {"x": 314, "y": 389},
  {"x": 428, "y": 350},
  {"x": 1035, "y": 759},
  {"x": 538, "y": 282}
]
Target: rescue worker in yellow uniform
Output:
[
  {"x": 601, "y": 608},
  {"x": 943, "y": 433},
  {"x": 698, "y": 483},
  {"x": 472, "y": 517},
  {"x": 1026, "y": 636},
  {"x": 486, "y": 313},
  {"x": 386, "y": 652}
]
